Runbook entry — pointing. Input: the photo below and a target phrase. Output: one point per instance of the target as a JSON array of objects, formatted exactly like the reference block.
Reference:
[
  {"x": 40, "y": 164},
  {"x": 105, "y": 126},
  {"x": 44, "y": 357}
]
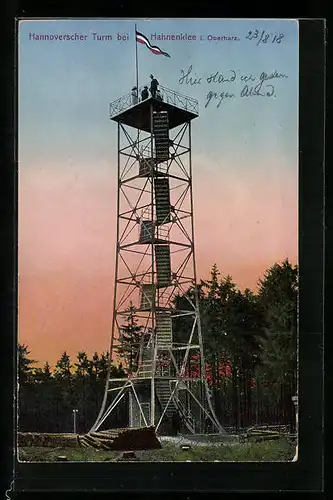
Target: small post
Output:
[
  {"x": 295, "y": 401},
  {"x": 74, "y": 420}
]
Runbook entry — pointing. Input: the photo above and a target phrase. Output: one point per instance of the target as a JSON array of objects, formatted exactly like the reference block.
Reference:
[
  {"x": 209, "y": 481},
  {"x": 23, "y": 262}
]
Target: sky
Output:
[{"x": 244, "y": 160}]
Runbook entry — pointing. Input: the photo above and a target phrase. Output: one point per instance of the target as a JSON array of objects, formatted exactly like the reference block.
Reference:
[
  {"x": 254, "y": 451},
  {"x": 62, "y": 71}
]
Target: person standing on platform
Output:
[
  {"x": 159, "y": 95},
  {"x": 153, "y": 86},
  {"x": 144, "y": 93},
  {"x": 134, "y": 96}
]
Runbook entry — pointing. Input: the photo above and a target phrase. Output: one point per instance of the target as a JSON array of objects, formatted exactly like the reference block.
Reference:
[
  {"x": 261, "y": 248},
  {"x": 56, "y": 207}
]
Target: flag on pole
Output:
[{"x": 156, "y": 50}]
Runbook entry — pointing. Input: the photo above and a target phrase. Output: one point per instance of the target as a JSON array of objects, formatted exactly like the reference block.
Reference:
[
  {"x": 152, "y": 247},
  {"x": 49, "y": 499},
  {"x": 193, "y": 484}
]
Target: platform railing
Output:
[
  {"x": 180, "y": 100},
  {"x": 167, "y": 95}
]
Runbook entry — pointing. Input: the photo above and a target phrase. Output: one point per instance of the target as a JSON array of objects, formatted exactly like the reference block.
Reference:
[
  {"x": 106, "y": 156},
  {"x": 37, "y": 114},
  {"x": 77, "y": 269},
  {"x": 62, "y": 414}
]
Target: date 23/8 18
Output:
[{"x": 263, "y": 37}]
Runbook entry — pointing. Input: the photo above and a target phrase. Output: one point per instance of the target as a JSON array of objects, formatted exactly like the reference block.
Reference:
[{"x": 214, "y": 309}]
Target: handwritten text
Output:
[
  {"x": 261, "y": 36},
  {"x": 234, "y": 83}
]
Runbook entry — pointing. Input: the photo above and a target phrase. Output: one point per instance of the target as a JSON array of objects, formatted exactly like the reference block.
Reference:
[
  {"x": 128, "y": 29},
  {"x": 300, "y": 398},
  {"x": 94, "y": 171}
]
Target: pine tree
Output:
[
  {"x": 47, "y": 371},
  {"x": 25, "y": 370},
  {"x": 26, "y": 395},
  {"x": 131, "y": 336},
  {"x": 278, "y": 295},
  {"x": 63, "y": 367},
  {"x": 65, "y": 393},
  {"x": 232, "y": 331},
  {"x": 82, "y": 365}
]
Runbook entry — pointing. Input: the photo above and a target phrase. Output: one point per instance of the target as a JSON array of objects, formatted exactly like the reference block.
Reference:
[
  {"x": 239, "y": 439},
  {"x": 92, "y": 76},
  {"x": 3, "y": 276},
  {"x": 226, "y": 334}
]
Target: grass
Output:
[{"x": 268, "y": 451}]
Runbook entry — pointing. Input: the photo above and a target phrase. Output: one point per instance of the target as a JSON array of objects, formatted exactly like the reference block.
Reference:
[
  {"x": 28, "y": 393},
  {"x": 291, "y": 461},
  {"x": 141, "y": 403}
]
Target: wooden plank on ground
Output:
[{"x": 143, "y": 438}]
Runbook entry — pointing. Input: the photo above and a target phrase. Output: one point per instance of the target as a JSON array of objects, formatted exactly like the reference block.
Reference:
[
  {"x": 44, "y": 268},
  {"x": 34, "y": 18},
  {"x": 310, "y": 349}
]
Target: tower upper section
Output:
[{"x": 135, "y": 112}]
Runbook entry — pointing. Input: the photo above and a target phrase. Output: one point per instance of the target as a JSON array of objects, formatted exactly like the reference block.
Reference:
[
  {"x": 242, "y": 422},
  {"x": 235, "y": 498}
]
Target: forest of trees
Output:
[
  {"x": 250, "y": 345},
  {"x": 47, "y": 398}
]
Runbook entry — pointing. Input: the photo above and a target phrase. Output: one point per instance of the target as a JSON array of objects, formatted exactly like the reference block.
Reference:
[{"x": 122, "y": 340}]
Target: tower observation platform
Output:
[
  {"x": 156, "y": 328},
  {"x": 180, "y": 109}
]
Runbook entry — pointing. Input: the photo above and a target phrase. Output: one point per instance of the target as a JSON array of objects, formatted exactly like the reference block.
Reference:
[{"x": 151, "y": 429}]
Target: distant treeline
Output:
[{"x": 250, "y": 345}]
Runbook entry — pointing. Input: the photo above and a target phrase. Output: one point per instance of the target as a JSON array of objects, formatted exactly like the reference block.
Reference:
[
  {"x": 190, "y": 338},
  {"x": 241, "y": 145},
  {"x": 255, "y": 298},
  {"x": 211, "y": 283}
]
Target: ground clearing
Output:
[{"x": 280, "y": 450}]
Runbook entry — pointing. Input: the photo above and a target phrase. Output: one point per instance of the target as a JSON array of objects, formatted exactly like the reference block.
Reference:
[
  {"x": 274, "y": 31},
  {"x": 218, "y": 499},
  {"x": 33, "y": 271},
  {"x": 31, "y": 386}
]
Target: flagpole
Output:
[
  {"x": 137, "y": 80},
  {"x": 136, "y": 63}
]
